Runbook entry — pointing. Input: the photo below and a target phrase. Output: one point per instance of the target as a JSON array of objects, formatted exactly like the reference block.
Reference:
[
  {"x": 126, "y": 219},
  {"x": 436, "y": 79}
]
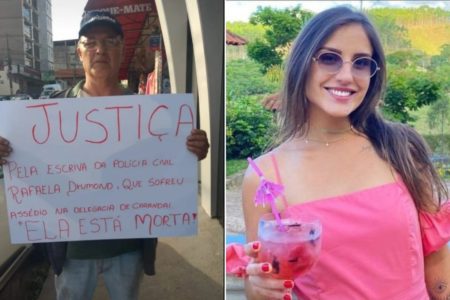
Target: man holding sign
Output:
[{"x": 121, "y": 261}]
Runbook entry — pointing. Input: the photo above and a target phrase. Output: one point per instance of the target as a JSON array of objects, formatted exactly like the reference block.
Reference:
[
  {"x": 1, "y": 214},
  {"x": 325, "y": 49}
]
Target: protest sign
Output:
[{"x": 100, "y": 168}]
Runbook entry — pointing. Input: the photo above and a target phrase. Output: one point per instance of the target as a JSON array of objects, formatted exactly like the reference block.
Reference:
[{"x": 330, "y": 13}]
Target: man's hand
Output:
[
  {"x": 5, "y": 150},
  {"x": 197, "y": 143}
]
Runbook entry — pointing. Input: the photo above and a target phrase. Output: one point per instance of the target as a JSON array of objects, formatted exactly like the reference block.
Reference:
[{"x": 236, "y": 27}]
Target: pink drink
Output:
[{"x": 292, "y": 249}]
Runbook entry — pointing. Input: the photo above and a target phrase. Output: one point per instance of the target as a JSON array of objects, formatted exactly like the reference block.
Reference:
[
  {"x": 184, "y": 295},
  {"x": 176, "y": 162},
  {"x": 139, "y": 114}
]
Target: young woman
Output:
[{"x": 370, "y": 182}]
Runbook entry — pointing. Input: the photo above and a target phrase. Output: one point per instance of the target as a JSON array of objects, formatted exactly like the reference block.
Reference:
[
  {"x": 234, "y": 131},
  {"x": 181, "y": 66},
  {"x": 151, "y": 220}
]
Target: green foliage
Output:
[
  {"x": 442, "y": 75},
  {"x": 442, "y": 58},
  {"x": 249, "y": 128},
  {"x": 282, "y": 26},
  {"x": 244, "y": 78},
  {"x": 415, "y": 16},
  {"x": 424, "y": 28},
  {"x": 407, "y": 91},
  {"x": 410, "y": 58},
  {"x": 438, "y": 143},
  {"x": 263, "y": 53},
  {"x": 397, "y": 100},
  {"x": 441, "y": 67},
  {"x": 249, "y": 31},
  {"x": 437, "y": 115},
  {"x": 275, "y": 74},
  {"x": 393, "y": 36},
  {"x": 236, "y": 165}
]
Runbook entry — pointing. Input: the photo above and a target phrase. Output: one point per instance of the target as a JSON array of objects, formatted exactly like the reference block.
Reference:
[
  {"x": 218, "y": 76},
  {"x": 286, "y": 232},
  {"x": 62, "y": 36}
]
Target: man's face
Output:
[{"x": 100, "y": 51}]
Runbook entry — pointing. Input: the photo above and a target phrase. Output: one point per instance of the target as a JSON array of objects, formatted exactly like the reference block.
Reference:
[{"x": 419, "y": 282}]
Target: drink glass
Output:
[{"x": 292, "y": 248}]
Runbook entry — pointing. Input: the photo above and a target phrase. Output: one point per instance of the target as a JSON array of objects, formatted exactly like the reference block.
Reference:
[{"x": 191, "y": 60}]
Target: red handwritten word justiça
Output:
[{"x": 185, "y": 118}]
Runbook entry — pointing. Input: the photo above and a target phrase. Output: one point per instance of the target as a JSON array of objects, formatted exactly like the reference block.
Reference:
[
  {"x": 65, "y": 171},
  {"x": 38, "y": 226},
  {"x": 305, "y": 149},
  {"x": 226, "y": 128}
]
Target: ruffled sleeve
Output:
[
  {"x": 435, "y": 228},
  {"x": 236, "y": 260}
]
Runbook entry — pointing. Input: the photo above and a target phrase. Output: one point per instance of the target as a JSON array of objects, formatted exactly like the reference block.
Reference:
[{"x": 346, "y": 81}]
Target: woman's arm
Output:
[{"x": 437, "y": 274}]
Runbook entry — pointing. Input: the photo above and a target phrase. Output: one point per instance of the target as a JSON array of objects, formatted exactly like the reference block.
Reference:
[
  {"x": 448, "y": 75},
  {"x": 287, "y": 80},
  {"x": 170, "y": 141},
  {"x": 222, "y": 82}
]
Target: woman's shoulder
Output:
[
  {"x": 266, "y": 164},
  {"x": 260, "y": 164}
]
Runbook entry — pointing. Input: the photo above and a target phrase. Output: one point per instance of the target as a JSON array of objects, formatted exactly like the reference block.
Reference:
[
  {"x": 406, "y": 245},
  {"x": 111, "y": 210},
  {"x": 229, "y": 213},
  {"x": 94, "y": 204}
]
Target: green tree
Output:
[
  {"x": 264, "y": 54},
  {"x": 407, "y": 91},
  {"x": 282, "y": 26},
  {"x": 249, "y": 127}
]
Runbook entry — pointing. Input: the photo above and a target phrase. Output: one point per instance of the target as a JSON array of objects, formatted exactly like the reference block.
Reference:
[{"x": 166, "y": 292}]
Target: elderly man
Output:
[{"x": 122, "y": 262}]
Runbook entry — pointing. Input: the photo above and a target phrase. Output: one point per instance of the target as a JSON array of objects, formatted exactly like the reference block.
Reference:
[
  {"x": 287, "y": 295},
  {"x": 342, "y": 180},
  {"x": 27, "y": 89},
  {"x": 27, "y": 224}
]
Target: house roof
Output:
[{"x": 234, "y": 39}]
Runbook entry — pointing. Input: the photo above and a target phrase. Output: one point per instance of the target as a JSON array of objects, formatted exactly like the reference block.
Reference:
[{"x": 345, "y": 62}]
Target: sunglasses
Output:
[{"x": 362, "y": 67}]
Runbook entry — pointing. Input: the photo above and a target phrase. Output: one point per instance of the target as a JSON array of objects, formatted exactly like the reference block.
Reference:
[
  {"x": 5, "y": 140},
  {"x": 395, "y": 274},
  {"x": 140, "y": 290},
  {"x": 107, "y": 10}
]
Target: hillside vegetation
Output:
[
  {"x": 426, "y": 29},
  {"x": 429, "y": 38}
]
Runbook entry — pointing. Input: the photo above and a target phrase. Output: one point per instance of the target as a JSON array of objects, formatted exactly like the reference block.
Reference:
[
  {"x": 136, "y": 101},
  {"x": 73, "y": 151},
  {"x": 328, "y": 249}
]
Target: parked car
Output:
[
  {"x": 2, "y": 98},
  {"x": 53, "y": 87},
  {"x": 47, "y": 89},
  {"x": 21, "y": 97},
  {"x": 46, "y": 94}
]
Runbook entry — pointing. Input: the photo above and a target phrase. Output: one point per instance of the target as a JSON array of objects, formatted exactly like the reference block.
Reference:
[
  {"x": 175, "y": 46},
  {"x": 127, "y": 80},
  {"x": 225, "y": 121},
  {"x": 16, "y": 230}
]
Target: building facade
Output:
[
  {"x": 67, "y": 66},
  {"x": 46, "y": 40},
  {"x": 25, "y": 44}
]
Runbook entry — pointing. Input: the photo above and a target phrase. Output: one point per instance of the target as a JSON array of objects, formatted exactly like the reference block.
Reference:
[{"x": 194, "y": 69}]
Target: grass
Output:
[{"x": 236, "y": 165}]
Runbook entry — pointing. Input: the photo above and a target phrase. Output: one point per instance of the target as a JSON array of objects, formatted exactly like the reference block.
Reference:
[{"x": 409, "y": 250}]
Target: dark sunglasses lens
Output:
[{"x": 330, "y": 61}]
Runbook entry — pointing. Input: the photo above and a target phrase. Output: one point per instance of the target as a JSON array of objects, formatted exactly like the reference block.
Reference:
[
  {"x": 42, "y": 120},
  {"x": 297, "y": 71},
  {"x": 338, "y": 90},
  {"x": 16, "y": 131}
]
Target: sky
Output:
[
  {"x": 241, "y": 10},
  {"x": 66, "y": 18}
]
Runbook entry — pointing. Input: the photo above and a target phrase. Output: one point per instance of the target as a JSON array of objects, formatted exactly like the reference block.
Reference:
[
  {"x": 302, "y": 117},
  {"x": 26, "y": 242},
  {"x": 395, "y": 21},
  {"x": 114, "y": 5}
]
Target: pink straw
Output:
[{"x": 267, "y": 192}]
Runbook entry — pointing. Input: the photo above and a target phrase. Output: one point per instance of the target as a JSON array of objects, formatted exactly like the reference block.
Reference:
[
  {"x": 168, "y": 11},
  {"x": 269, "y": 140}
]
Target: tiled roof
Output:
[
  {"x": 272, "y": 102},
  {"x": 234, "y": 39}
]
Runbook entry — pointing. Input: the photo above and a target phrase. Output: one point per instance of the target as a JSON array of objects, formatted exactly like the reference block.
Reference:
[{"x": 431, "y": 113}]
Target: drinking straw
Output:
[{"x": 267, "y": 192}]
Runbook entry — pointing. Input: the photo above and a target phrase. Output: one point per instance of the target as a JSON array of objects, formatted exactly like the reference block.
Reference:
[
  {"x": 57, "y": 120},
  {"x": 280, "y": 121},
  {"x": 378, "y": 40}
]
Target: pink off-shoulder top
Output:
[{"x": 373, "y": 245}]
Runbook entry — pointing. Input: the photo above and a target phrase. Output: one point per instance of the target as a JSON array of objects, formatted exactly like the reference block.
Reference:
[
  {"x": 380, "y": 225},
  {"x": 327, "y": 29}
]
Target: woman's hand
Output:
[
  {"x": 197, "y": 143},
  {"x": 259, "y": 283},
  {"x": 5, "y": 150}
]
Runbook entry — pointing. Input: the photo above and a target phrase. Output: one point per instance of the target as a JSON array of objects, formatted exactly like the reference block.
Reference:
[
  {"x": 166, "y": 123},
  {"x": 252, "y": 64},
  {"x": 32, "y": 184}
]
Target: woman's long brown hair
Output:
[{"x": 399, "y": 145}]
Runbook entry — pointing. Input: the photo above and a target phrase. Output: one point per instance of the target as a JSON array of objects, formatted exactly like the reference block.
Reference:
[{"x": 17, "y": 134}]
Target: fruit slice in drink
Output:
[{"x": 292, "y": 249}]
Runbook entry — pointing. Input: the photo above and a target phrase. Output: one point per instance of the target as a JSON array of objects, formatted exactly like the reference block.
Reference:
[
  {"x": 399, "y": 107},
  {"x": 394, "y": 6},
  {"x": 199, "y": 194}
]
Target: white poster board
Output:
[{"x": 100, "y": 168}]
